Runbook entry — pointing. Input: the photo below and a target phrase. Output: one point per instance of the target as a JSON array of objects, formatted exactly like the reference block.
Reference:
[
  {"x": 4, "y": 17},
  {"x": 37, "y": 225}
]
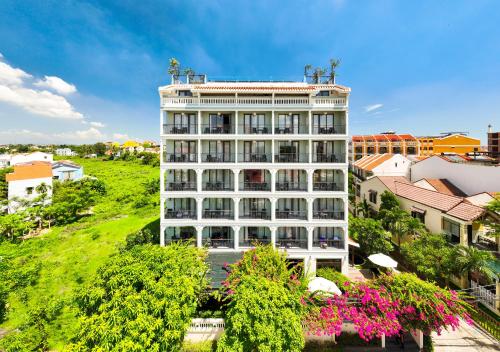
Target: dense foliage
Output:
[
  {"x": 3, "y": 184},
  {"x": 142, "y": 299},
  {"x": 264, "y": 304},
  {"x": 370, "y": 235},
  {"x": 333, "y": 275}
]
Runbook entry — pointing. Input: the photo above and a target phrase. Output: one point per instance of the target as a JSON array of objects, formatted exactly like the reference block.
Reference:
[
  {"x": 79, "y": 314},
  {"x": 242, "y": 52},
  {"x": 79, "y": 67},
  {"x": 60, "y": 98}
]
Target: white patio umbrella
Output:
[
  {"x": 322, "y": 284},
  {"x": 383, "y": 260}
]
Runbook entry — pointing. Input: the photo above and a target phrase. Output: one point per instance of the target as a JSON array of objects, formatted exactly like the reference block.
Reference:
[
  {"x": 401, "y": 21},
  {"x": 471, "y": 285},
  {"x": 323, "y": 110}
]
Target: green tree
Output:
[
  {"x": 370, "y": 235},
  {"x": 3, "y": 183},
  {"x": 14, "y": 225},
  {"x": 362, "y": 208},
  {"x": 492, "y": 220},
  {"x": 472, "y": 259},
  {"x": 174, "y": 67},
  {"x": 141, "y": 300},
  {"x": 388, "y": 201},
  {"x": 99, "y": 148},
  {"x": 334, "y": 63}
]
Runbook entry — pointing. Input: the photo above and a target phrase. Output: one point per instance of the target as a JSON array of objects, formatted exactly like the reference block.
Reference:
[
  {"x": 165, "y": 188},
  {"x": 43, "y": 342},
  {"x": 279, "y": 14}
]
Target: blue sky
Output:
[{"x": 81, "y": 71}]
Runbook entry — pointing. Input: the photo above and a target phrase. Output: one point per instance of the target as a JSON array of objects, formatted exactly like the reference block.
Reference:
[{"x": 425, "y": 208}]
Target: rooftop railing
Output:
[{"x": 339, "y": 102}]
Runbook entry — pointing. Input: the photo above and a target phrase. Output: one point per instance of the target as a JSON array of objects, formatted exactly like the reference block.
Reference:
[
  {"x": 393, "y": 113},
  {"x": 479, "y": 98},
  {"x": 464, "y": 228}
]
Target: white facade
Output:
[
  {"x": 267, "y": 162},
  {"x": 29, "y": 157},
  {"x": 470, "y": 178},
  {"x": 65, "y": 152},
  {"x": 26, "y": 190}
]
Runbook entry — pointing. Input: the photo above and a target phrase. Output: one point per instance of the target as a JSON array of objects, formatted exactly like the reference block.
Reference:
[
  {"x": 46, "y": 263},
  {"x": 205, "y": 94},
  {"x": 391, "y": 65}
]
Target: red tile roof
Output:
[
  {"x": 369, "y": 162},
  {"x": 390, "y": 181},
  {"x": 466, "y": 211},
  {"x": 29, "y": 171},
  {"x": 442, "y": 185}
]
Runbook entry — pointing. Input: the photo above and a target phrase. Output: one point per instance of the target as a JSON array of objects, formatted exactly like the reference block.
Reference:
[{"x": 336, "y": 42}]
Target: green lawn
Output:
[{"x": 70, "y": 255}]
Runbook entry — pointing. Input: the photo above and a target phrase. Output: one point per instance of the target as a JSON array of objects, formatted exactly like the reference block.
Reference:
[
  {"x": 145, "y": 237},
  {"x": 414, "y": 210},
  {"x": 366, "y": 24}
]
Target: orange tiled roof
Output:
[
  {"x": 442, "y": 185},
  {"x": 385, "y": 137},
  {"x": 29, "y": 171},
  {"x": 369, "y": 162},
  {"x": 466, "y": 211},
  {"x": 390, "y": 181}
]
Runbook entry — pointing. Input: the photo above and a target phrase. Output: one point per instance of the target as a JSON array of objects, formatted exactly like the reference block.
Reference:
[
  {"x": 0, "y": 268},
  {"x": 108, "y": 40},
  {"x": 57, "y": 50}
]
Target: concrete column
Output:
[
  {"x": 199, "y": 236},
  {"x": 236, "y": 173},
  {"x": 199, "y": 177},
  {"x": 236, "y": 202},
  {"x": 309, "y": 118},
  {"x": 310, "y": 174},
  {"x": 236, "y": 156},
  {"x": 273, "y": 208},
  {"x": 272, "y": 120},
  {"x": 310, "y": 203},
  {"x": 346, "y": 181},
  {"x": 236, "y": 235},
  {"x": 272, "y": 151},
  {"x": 346, "y": 208},
  {"x": 310, "y": 234},
  {"x": 162, "y": 235},
  {"x": 463, "y": 235},
  {"x": 162, "y": 180},
  {"x": 273, "y": 230},
  {"x": 162, "y": 209},
  {"x": 199, "y": 208},
  {"x": 345, "y": 264},
  {"x": 310, "y": 150},
  {"x": 273, "y": 180},
  {"x": 199, "y": 122},
  {"x": 345, "y": 229},
  {"x": 236, "y": 123},
  {"x": 198, "y": 150},
  {"x": 309, "y": 266}
]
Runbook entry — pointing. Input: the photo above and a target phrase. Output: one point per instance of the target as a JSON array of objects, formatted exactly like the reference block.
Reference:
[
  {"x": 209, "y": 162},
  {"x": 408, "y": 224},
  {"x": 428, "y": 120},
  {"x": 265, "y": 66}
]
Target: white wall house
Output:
[
  {"x": 256, "y": 161},
  {"x": 22, "y": 183},
  {"x": 29, "y": 157},
  {"x": 470, "y": 178},
  {"x": 65, "y": 152}
]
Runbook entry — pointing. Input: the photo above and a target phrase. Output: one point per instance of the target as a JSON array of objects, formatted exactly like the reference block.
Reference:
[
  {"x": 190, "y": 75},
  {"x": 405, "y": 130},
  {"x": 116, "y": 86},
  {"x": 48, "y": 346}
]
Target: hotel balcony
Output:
[
  {"x": 218, "y": 208},
  {"x": 255, "y": 208},
  {"x": 180, "y": 180},
  {"x": 291, "y": 208},
  {"x": 329, "y": 123},
  {"x": 250, "y": 235},
  {"x": 217, "y": 123},
  {"x": 183, "y": 151},
  {"x": 180, "y": 234},
  {"x": 255, "y": 151},
  {"x": 411, "y": 150},
  {"x": 218, "y": 180},
  {"x": 328, "y": 238},
  {"x": 254, "y": 180},
  {"x": 291, "y": 152},
  {"x": 291, "y": 238},
  {"x": 328, "y": 152},
  {"x": 221, "y": 237},
  {"x": 255, "y": 123},
  {"x": 254, "y": 157},
  {"x": 180, "y": 208},
  {"x": 291, "y": 123},
  {"x": 328, "y": 208},
  {"x": 291, "y": 180},
  {"x": 180, "y": 129},
  {"x": 180, "y": 123},
  {"x": 217, "y": 151},
  {"x": 328, "y": 180}
]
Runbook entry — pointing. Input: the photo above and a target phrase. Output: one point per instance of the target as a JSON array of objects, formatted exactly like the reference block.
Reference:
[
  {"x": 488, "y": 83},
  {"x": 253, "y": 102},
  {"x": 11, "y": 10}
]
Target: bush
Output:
[
  {"x": 333, "y": 275},
  {"x": 138, "y": 238}
]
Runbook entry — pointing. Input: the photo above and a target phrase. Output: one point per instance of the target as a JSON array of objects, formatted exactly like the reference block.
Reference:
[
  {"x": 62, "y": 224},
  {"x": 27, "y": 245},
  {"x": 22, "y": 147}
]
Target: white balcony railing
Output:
[{"x": 255, "y": 101}]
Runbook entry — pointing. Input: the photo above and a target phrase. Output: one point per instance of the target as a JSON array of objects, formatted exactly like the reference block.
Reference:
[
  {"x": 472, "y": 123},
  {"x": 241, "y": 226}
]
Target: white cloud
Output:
[
  {"x": 120, "y": 136},
  {"x": 97, "y": 124},
  {"x": 373, "y": 107},
  {"x": 92, "y": 134},
  {"x": 16, "y": 89},
  {"x": 57, "y": 84}
]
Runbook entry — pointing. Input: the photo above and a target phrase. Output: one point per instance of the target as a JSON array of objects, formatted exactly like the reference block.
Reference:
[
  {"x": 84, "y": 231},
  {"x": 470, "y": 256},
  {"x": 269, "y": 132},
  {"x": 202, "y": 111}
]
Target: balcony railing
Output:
[
  {"x": 300, "y": 129},
  {"x": 255, "y": 158},
  {"x": 256, "y": 214},
  {"x": 328, "y": 214},
  {"x": 332, "y": 129},
  {"x": 251, "y": 129},
  {"x": 291, "y": 158},
  {"x": 218, "y": 157},
  {"x": 189, "y": 239},
  {"x": 253, "y": 241},
  {"x": 219, "y": 242},
  {"x": 291, "y": 186},
  {"x": 180, "y": 129},
  {"x": 180, "y": 157},
  {"x": 180, "y": 214},
  {"x": 291, "y": 214},
  {"x": 222, "y": 129},
  {"x": 218, "y": 186},
  {"x": 335, "y": 102},
  {"x": 218, "y": 214},
  {"x": 255, "y": 186},
  {"x": 328, "y": 186},
  {"x": 181, "y": 186},
  {"x": 328, "y": 158},
  {"x": 291, "y": 243},
  {"x": 328, "y": 243}
]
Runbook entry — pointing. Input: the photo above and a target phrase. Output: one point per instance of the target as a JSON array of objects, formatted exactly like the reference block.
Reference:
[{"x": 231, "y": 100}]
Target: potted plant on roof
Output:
[
  {"x": 334, "y": 63},
  {"x": 317, "y": 74},
  {"x": 174, "y": 69}
]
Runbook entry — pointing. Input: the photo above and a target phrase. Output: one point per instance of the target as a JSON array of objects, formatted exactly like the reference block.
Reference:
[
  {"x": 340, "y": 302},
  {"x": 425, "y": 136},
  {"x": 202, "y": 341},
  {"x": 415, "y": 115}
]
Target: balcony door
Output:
[
  {"x": 289, "y": 148},
  {"x": 220, "y": 121},
  {"x": 288, "y": 123},
  {"x": 322, "y": 122},
  {"x": 185, "y": 120},
  {"x": 288, "y": 176},
  {"x": 253, "y": 150},
  {"x": 324, "y": 176},
  {"x": 220, "y": 148},
  {"x": 253, "y": 121},
  {"x": 253, "y": 176},
  {"x": 222, "y": 177},
  {"x": 180, "y": 176},
  {"x": 184, "y": 148}
]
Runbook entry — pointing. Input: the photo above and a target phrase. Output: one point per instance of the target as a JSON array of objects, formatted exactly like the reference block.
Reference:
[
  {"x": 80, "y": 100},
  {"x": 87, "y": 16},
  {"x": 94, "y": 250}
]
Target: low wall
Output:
[{"x": 202, "y": 330}]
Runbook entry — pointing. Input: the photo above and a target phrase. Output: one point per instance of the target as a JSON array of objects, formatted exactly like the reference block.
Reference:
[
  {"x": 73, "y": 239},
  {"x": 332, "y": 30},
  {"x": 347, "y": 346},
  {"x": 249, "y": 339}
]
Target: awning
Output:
[
  {"x": 323, "y": 285},
  {"x": 351, "y": 242},
  {"x": 418, "y": 210},
  {"x": 383, "y": 260}
]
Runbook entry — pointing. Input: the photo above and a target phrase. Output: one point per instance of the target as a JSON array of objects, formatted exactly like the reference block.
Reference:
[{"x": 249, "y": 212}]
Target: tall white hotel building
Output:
[{"x": 256, "y": 161}]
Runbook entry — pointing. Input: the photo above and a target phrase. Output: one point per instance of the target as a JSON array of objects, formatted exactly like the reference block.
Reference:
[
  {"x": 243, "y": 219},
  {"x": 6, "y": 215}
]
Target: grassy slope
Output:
[{"x": 70, "y": 255}]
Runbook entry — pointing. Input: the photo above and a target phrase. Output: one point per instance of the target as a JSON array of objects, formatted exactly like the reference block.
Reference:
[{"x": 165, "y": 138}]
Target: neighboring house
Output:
[
  {"x": 458, "y": 143},
  {"x": 379, "y": 165},
  {"x": 468, "y": 177},
  {"x": 384, "y": 143},
  {"x": 139, "y": 149},
  {"x": 494, "y": 144},
  {"x": 65, "y": 152},
  {"x": 22, "y": 183},
  {"x": 30, "y": 157},
  {"x": 130, "y": 146},
  {"x": 63, "y": 170},
  {"x": 4, "y": 160}
]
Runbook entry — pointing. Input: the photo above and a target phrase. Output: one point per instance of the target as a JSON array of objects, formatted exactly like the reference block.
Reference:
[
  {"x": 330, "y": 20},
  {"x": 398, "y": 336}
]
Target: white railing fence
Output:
[
  {"x": 483, "y": 295},
  {"x": 248, "y": 100}
]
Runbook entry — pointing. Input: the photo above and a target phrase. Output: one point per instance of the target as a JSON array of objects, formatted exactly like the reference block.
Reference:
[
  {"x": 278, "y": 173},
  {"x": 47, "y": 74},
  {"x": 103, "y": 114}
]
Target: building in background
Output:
[
  {"x": 64, "y": 170},
  {"x": 65, "y": 152},
  {"x": 452, "y": 142},
  {"x": 384, "y": 143},
  {"x": 248, "y": 162},
  {"x": 24, "y": 181},
  {"x": 494, "y": 144},
  {"x": 30, "y": 157}
]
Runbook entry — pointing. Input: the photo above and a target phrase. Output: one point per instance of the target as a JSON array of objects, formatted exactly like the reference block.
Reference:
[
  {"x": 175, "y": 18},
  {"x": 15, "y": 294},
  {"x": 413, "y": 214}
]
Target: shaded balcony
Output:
[
  {"x": 218, "y": 208},
  {"x": 291, "y": 180},
  {"x": 180, "y": 180},
  {"x": 249, "y": 236},
  {"x": 217, "y": 123},
  {"x": 328, "y": 180},
  {"x": 180, "y": 123},
  {"x": 328, "y": 152},
  {"x": 291, "y": 238},
  {"x": 328, "y": 238},
  {"x": 254, "y": 123},
  {"x": 217, "y": 151},
  {"x": 411, "y": 150},
  {"x": 180, "y": 208},
  {"x": 291, "y": 123},
  {"x": 220, "y": 237},
  {"x": 291, "y": 208},
  {"x": 396, "y": 150},
  {"x": 218, "y": 180},
  {"x": 254, "y": 152},
  {"x": 328, "y": 209},
  {"x": 254, "y": 180},
  {"x": 255, "y": 208},
  {"x": 291, "y": 152},
  {"x": 180, "y": 152},
  {"x": 329, "y": 123},
  {"x": 180, "y": 234}
]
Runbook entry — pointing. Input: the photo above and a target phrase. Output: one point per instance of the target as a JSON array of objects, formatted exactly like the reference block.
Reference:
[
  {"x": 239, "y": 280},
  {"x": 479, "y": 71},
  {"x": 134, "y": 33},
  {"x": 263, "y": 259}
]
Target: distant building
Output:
[
  {"x": 384, "y": 143},
  {"x": 65, "y": 152},
  {"x": 30, "y": 157},
  {"x": 66, "y": 170},
  {"x": 494, "y": 144},
  {"x": 23, "y": 182},
  {"x": 130, "y": 146},
  {"x": 469, "y": 177},
  {"x": 453, "y": 142},
  {"x": 4, "y": 160}
]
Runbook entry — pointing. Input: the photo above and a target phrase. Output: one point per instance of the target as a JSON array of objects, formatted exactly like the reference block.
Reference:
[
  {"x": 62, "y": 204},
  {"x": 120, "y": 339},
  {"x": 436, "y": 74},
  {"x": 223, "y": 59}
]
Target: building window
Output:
[
  {"x": 452, "y": 230},
  {"x": 418, "y": 215},
  {"x": 29, "y": 190},
  {"x": 372, "y": 196},
  {"x": 185, "y": 93},
  {"x": 323, "y": 93}
]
